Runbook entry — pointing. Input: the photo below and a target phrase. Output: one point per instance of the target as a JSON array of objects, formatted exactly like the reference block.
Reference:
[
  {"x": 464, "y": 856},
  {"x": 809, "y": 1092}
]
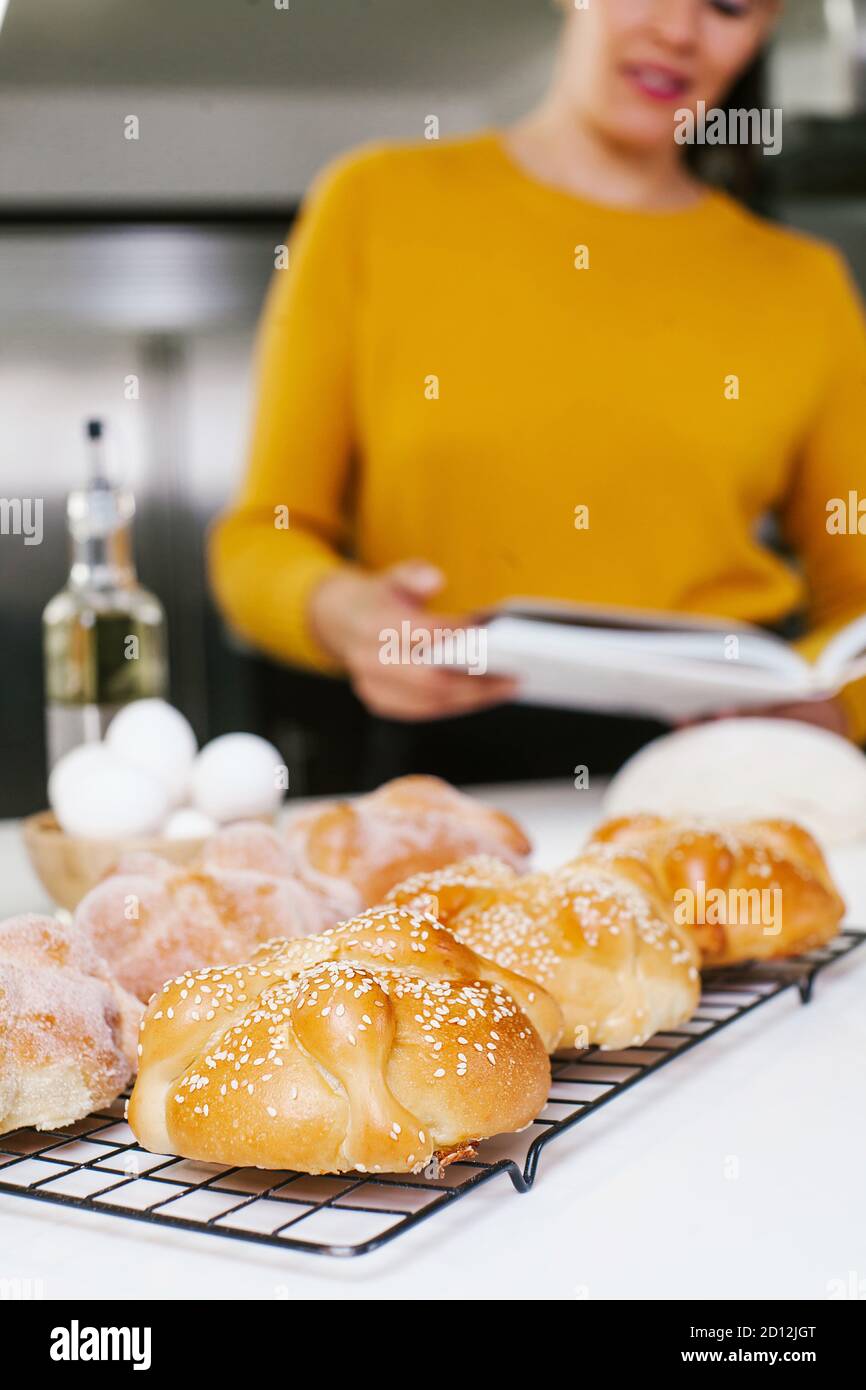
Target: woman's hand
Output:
[
  {"x": 825, "y": 714},
  {"x": 349, "y": 613}
]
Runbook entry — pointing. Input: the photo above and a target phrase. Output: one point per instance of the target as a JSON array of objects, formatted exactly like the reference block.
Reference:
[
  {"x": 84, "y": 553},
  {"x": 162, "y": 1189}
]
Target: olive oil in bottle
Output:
[{"x": 104, "y": 637}]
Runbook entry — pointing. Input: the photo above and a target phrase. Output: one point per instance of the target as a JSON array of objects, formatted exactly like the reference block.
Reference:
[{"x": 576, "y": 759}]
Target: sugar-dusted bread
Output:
[
  {"x": 746, "y": 889},
  {"x": 68, "y": 1031},
  {"x": 595, "y": 934},
  {"x": 376, "y": 1046},
  {"x": 152, "y": 920},
  {"x": 406, "y": 826}
]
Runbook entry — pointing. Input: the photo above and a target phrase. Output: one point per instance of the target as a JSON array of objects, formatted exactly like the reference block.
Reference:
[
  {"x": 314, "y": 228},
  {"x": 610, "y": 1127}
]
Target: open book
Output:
[{"x": 659, "y": 665}]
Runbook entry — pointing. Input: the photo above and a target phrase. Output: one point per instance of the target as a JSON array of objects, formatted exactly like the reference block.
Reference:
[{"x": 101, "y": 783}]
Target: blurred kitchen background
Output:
[{"x": 150, "y": 258}]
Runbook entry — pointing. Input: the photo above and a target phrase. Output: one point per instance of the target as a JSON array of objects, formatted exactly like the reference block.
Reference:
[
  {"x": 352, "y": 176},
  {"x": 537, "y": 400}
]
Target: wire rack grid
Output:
[{"x": 96, "y": 1165}]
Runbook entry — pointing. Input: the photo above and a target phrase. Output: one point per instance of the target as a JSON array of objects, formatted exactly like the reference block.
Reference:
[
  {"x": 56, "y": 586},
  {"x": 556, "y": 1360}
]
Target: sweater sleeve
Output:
[
  {"x": 832, "y": 465},
  {"x": 283, "y": 534}
]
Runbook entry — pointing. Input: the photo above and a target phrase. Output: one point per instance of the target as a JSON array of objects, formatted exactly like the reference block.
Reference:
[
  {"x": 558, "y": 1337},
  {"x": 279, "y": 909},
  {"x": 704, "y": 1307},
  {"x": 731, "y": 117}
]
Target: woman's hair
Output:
[{"x": 738, "y": 168}]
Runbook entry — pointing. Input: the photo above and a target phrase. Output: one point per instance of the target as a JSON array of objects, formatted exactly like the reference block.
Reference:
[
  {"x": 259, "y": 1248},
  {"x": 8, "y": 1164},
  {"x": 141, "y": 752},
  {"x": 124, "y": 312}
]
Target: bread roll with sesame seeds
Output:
[
  {"x": 596, "y": 935},
  {"x": 376, "y": 1046},
  {"x": 747, "y": 890},
  {"x": 406, "y": 826}
]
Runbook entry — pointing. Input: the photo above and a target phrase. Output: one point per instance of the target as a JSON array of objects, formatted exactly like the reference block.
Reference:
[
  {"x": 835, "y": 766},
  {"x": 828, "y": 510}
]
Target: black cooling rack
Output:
[{"x": 96, "y": 1165}]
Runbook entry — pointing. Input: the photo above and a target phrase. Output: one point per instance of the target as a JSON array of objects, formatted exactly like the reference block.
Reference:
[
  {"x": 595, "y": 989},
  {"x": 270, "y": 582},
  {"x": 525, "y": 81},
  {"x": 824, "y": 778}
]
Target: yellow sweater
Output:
[{"x": 458, "y": 357}]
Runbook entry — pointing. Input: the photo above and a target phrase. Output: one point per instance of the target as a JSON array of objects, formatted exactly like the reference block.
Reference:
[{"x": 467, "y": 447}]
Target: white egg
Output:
[
  {"x": 105, "y": 797},
  {"x": 69, "y": 770},
  {"x": 155, "y": 736},
  {"x": 236, "y": 776},
  {"x": 188, "y": 824}
]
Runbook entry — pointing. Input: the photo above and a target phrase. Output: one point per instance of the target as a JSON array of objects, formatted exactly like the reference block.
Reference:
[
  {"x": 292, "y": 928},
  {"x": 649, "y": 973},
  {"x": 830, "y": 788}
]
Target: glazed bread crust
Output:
[
  {"x": 376, "y": 1046},
  {"x": 717, "y": 878},
  {"x": 595, "y": 934}
]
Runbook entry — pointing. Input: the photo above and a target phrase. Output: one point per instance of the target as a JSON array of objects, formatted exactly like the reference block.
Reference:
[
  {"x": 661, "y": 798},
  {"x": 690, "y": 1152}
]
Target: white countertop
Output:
[{"x": 638, "y": 1202}]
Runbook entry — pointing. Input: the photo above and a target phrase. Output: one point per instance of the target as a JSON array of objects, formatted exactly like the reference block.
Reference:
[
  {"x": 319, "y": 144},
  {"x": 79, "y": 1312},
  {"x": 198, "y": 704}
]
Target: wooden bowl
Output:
[{"x": 68, "y": 866}]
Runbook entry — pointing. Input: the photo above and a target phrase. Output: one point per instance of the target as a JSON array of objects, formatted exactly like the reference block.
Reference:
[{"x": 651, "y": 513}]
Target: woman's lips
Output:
[{"x": 657, "y": 83}]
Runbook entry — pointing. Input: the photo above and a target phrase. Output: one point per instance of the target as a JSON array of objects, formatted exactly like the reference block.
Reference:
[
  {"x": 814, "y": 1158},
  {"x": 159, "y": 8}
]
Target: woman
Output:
[{"x": 478, "y": 336}]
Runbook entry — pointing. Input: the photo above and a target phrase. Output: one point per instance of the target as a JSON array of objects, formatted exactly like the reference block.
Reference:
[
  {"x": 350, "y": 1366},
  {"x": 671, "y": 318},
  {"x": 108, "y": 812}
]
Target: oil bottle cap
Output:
[{"x": 100, "y": 508}]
